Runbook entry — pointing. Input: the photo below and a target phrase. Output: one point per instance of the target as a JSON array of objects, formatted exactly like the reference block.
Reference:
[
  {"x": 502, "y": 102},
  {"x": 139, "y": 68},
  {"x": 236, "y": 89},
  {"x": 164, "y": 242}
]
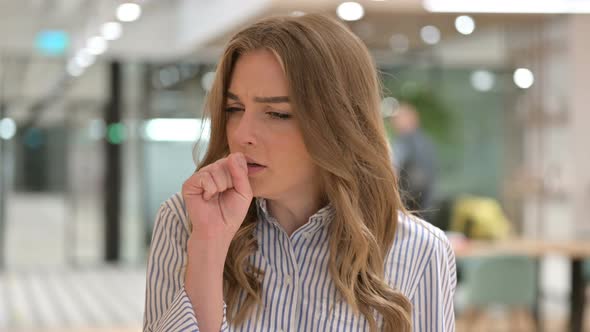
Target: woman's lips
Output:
[{"x": 255, "y": 168}]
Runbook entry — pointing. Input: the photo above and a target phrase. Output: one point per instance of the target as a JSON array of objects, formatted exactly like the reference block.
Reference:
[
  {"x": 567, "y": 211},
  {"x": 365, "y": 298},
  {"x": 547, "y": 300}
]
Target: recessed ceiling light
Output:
[{"x": 350, "y": 11}]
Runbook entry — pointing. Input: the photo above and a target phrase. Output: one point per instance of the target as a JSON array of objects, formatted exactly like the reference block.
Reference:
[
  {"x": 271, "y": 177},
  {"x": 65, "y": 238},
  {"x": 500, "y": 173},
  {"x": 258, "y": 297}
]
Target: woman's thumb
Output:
[{"x": 238, "y": 168}]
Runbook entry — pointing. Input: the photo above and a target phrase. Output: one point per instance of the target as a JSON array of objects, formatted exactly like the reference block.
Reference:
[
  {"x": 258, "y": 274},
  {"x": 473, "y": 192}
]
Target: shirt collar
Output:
[{"x": 322, "y": 217}]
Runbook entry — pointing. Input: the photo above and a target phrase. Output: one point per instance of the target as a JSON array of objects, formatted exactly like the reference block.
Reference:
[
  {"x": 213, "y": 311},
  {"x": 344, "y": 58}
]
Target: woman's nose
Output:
[{"x": 245, "y": 131}]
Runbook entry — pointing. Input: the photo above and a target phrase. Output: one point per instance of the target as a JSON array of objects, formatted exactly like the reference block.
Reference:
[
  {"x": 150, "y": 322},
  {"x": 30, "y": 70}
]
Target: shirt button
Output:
[{"x": 288, "y": 280}]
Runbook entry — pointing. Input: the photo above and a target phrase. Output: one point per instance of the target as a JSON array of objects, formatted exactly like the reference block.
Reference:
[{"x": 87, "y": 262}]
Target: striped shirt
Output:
[{"x": 298, "y": 293}]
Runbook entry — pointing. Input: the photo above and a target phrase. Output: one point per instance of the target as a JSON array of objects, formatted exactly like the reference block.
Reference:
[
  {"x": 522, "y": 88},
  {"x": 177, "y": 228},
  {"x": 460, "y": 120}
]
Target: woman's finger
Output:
[
  {"x": 205, "y": 181},
  {"x": 191, "y": 186},
  {"x": 239, "y": 172},
  {"x": 220, "y": 173}
]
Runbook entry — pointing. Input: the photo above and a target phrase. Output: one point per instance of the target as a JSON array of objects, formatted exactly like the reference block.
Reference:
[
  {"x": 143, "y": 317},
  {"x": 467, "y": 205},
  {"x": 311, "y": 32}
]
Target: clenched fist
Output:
[{"x": 217, "y": 198}]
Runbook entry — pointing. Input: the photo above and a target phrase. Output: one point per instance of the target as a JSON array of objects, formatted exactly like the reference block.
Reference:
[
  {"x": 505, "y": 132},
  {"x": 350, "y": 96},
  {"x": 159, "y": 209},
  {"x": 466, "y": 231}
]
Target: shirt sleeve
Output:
[
  {"x": 433, "y": 308},
  {"x": 167, "y": 305}
]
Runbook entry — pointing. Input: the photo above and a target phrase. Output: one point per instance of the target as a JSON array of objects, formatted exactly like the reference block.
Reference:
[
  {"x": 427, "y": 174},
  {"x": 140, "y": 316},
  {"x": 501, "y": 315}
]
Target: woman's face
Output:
[{"x": 262, "y": 124}]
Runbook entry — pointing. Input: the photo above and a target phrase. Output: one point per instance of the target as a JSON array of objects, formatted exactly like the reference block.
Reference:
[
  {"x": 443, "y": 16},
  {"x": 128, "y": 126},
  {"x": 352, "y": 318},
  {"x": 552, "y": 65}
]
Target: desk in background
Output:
[{"x": 576, "y": 251}]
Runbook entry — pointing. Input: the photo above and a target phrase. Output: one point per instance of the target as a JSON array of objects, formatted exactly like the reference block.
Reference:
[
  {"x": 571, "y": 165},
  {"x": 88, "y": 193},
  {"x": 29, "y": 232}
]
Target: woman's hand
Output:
[{"x": 217, "y": 198}]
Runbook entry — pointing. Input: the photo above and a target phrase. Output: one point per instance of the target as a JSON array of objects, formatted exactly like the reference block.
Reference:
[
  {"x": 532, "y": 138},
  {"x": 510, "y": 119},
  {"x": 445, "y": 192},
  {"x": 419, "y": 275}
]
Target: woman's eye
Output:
[
  {"x": 233, "y": 109},
  {"x": 278, "y": 115}
]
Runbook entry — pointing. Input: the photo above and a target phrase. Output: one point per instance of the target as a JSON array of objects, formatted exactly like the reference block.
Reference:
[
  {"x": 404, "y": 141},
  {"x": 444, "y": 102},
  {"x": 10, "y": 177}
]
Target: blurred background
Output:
[{"x": 486, "y": 105}]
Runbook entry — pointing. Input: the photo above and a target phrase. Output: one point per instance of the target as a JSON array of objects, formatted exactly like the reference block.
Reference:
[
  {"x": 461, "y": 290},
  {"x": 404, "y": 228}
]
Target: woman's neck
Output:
[{"x": 294, "y": 213}]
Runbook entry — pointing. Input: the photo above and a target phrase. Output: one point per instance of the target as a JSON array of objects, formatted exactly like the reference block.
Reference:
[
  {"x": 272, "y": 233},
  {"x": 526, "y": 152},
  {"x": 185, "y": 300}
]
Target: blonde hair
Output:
[{"x": 335, "y": 92}]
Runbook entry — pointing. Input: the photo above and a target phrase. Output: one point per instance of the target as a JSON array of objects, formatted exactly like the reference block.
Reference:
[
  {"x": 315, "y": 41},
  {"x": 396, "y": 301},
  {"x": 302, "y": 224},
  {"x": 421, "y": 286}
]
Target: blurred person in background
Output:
[
  {"x": 414, "y": 158},
  {"x": 293, "y": 220}
]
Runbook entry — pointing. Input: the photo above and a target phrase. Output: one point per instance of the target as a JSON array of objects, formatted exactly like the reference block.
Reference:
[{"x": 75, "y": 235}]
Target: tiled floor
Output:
[{"x": 101, "y": 299}]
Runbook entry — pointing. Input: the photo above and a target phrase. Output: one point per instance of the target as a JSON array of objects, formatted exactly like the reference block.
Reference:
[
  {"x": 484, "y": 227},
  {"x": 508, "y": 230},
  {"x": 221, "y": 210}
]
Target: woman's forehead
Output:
[{"x": 258, "y": 74}]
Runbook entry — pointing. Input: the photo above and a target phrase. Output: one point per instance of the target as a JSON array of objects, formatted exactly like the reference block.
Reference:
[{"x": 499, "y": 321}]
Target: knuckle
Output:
[
  {"x": 208, "y": 180},
  {"x": 218, "y": 176},
  {"x": 215, "y": 171}
]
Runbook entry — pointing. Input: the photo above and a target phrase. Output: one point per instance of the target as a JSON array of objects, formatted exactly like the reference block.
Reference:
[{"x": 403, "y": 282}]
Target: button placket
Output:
[{"x": 292, "y": 280}]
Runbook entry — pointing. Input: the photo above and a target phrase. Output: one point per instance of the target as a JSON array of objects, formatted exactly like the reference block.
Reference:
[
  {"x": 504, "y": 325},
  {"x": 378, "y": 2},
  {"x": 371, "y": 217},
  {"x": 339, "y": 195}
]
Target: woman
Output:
[{"x": 292, "y": 221}]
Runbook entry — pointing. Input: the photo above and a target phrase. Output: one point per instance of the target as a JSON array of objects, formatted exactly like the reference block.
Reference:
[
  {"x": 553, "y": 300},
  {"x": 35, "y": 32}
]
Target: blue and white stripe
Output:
[{"x": 298, "y": 293}]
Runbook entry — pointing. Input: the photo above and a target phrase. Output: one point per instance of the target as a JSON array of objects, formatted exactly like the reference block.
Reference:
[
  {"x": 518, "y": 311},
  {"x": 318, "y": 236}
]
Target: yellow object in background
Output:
[{"x": 479, "y": 218}]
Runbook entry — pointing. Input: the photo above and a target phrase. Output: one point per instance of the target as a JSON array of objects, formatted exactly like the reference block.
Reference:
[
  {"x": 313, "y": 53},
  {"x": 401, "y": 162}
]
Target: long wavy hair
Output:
[{"x": 334, "y": 89}]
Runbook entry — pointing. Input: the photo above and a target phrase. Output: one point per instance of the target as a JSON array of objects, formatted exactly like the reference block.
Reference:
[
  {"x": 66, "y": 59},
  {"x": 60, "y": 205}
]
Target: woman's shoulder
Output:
[
  {"x": 418, "y": 232},
  {"x": 173, "y": 209},
  {"x": 417, "y": 244}
]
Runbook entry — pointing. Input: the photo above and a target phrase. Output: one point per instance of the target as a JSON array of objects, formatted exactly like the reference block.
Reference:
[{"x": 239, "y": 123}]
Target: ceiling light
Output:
[
  {"x": 96, "y": 45},
  {"x": 84, "y": 58},
  {"x": 111, "y": 30},
  {"x": 430, "y": 34},
  {"x": 7, "y": 128},
  {"x": 523, "y": 78},
  {"x": 465, "y": 24},
  {"x": 350, "y": 11},
  {"x": 74, "y": 69},
  {"x": 482, "y": 80},
  {"x": 128, "y": 12}
]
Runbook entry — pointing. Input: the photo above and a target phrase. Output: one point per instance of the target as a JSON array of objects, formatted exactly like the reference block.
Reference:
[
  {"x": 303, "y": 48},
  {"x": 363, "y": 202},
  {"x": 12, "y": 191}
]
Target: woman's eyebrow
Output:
[{"x": 272, "y": 100}]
